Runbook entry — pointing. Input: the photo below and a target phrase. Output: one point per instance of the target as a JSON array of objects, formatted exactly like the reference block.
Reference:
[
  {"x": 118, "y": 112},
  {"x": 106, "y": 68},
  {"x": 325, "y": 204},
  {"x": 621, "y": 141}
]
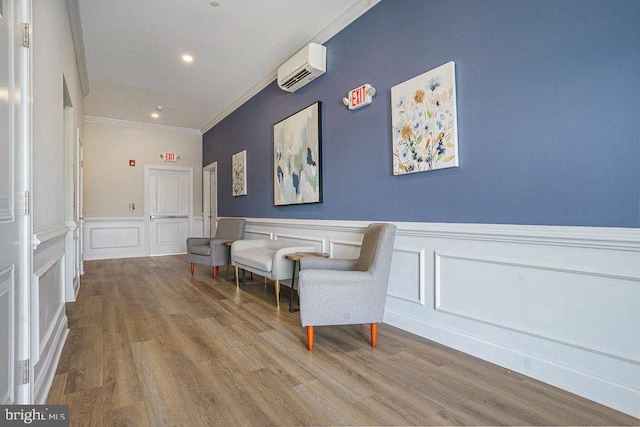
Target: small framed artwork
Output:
[
  {"x": 297, "y": 154},
  {"x": 239, "y": 173},
  {"x": 424, "y": 122}
]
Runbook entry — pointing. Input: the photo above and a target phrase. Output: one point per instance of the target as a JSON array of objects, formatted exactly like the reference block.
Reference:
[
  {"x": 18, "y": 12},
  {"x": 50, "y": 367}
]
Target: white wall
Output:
[
  {"x": 110, "y": 184},
  {"x": 53, "y": 59},
  {"x": 53, "y": 62}
]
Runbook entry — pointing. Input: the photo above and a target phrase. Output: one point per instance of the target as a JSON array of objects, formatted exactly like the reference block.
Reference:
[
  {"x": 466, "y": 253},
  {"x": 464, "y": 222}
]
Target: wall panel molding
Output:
[
  {"x": 49, "y": 324},
  {"x": 109, "y": 238},
  {"x": 522, "y": 307},
  {"x": 407, "y": 279}
]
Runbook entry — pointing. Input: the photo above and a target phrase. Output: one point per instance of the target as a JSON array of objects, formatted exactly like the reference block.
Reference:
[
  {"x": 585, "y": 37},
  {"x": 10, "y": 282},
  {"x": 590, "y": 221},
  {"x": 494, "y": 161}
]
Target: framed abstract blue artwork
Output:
[{"x": 297, "y": 172}]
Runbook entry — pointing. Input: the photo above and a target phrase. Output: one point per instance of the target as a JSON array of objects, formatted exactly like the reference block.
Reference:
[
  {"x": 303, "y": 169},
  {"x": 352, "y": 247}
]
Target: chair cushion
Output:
[
  {"x": 260, "y": 258},
  {"x": 200, "y": 250}
]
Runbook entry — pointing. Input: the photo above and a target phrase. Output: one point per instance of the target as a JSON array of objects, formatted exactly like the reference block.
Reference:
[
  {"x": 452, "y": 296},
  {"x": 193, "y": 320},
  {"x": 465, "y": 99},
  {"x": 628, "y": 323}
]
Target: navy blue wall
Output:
[{"x": 548, "y": 117}]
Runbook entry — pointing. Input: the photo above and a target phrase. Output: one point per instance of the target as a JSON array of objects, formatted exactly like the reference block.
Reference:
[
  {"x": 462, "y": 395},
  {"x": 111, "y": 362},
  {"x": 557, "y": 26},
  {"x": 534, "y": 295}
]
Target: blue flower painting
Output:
[
  {"x": 423, "y": 116},
  {"x": 296, "y": 154}
]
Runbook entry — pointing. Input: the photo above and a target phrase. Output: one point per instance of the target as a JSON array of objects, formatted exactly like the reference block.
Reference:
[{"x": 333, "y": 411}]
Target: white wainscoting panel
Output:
[
  {"x": 108, "y": 238},
  {"x": 344, "y": 248},
  {"x": 559, "y": 304},
  {"x": 6, "y": 335},
  {"x": 49, "y": 325},
  {"x": 565, "y": 304},
  {"x": 257, "y": 235},
  {"x": 407, "y": 278}
]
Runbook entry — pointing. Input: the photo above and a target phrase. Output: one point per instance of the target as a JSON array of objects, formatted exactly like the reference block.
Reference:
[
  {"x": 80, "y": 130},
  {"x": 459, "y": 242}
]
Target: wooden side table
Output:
[{"x": 295, "y": 257}]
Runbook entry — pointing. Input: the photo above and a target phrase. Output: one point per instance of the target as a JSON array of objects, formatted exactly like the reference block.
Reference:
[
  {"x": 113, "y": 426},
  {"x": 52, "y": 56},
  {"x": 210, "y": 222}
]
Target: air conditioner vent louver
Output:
[
  {"x": 302, "y": 68},
  {"x": 295, "y": 79}
]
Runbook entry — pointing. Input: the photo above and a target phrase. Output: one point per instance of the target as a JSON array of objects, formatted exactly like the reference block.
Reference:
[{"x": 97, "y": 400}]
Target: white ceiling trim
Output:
[
  {"x": 147, "y": 126},
  {"x": 323, "y": 36}
]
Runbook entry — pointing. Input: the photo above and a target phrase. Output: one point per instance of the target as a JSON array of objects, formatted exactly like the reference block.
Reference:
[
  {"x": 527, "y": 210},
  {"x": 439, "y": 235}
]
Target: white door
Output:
[
  {"x": 213, "y": 201},
  {"x": 78, "y": 206},
  {"x": 14, "y": 220},
  {"x": 210, "y": 198},
  {"x": 168, "y": 207}
]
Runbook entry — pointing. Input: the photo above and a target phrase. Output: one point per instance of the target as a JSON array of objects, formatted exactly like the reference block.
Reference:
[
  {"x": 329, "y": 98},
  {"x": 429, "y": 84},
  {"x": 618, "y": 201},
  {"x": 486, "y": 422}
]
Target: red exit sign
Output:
[
  {"x": 170, "y": 157},
  {"x": 360, "y": 96}
]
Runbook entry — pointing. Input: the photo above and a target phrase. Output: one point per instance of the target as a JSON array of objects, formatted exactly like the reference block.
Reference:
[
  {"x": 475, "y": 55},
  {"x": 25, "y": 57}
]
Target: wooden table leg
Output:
[{"x": 293, "y": 282}]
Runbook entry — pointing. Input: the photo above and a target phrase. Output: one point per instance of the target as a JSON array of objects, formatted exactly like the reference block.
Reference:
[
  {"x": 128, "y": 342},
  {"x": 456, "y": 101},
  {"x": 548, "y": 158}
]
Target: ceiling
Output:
[{"x": 129, "y": 53}]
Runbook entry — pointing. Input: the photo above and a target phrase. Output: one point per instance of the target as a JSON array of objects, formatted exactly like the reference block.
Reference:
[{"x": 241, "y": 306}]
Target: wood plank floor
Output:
[{"x": 150, "y": 345}]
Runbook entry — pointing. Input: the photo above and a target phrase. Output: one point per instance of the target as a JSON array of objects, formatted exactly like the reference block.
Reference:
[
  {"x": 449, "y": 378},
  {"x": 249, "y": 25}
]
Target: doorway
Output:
[
  {"x": 210, "y": 198},
  {"x": 168, "y": 192}
]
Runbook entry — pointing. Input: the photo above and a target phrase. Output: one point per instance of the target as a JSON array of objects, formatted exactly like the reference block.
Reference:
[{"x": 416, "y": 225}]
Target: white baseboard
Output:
[{"x": 45, "y": 369}]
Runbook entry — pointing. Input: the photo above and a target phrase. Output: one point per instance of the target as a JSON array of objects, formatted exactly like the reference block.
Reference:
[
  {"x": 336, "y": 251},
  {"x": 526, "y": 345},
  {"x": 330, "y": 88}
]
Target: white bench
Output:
[{"x": 266, "y": 258}]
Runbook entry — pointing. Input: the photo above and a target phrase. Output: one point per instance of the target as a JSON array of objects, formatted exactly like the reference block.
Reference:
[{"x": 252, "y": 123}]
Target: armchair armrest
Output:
[
  {"x": 197, "y": 241},
  {"x": 282, "y": 267},
  {"x": 339, "y": 279}
]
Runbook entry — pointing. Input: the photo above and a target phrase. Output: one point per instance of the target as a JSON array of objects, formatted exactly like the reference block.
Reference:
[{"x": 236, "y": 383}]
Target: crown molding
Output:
[
  {"x": 138, "y": 125},
  {"x": 73, "y": 9},
  {"x": 334, "y": 27}
]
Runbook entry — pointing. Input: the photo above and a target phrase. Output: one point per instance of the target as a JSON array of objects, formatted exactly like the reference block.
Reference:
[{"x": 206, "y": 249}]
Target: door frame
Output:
[
  {"x": 147, "y": 170},
  {"x": 208, "y": 172},
  {"x": 23, "y": 175}
]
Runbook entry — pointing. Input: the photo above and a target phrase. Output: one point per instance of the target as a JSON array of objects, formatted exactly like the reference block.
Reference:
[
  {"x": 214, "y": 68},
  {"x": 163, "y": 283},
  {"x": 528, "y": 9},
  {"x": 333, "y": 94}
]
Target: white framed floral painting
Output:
[
  {"x": 239, "y": 173},
  {"x": 423, "y": 117}
]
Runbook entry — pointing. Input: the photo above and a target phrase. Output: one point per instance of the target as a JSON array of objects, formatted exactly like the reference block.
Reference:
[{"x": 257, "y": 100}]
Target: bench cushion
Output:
[
  {"x": 260, "y": 258},
  {"x": 200, "y": 250}
]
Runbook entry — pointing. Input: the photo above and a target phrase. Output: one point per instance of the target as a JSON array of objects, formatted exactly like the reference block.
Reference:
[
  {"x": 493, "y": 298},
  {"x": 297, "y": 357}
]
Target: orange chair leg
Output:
[
  {"x": 192, "y": 267},
  {"x": 310, "y": 338},
  {"x": 374, "y": 334},
  {"x": 215, "y": 272}
]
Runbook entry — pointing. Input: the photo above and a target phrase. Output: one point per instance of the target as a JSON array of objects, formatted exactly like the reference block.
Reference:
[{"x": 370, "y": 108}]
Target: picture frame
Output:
[
  {"x": 239, "y": 173},
  {"x": 424, "y": 122},
  {"x": 297, "y": 158}
]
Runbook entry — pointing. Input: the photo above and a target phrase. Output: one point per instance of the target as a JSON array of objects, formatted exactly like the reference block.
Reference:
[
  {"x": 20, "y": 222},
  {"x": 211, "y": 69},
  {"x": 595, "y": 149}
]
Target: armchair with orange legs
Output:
[
  {"x": 348, "y": 291},
  {"x": 213, "y": 251}
]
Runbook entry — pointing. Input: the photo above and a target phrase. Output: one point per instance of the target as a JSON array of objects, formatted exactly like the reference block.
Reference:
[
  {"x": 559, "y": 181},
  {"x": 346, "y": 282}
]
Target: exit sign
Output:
[
  {"x": 170, "y": 157},
  {"x": 360, "y": 96}
]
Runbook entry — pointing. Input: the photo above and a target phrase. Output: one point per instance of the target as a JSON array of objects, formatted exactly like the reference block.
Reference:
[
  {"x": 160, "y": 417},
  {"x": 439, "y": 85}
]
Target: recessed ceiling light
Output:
[
  {"x": 215, "y": 3},
  {"x": 155, "y": 115},
  {"x": 187, "y": 58}
]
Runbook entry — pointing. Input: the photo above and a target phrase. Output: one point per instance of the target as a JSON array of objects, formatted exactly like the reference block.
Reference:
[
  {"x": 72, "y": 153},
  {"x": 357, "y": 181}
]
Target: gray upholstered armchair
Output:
[
  {"x": 348, "y": 291},
  {"x": 213, "y": 251}
]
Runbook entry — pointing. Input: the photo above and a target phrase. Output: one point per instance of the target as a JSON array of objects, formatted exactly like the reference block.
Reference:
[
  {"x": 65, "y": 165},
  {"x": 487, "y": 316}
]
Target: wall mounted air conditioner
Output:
[{"x": 303, "y": 67}]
